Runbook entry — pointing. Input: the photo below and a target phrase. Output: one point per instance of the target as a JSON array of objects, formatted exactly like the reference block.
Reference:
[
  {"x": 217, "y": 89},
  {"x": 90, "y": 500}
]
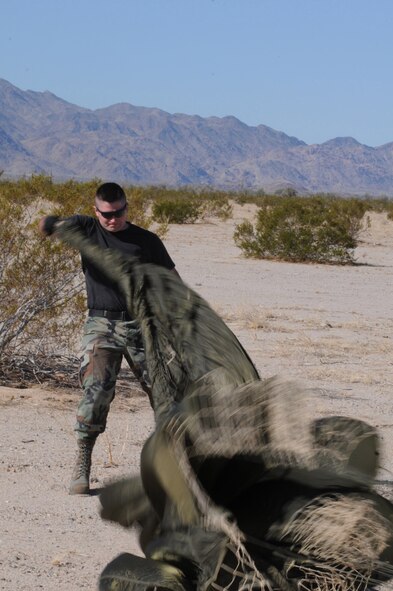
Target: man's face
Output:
[{"x": 112, "y": 216}]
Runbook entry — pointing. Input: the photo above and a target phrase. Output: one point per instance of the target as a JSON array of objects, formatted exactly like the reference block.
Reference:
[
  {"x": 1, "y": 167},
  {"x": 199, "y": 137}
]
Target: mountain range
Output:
[{"x": 42, "y": 133}]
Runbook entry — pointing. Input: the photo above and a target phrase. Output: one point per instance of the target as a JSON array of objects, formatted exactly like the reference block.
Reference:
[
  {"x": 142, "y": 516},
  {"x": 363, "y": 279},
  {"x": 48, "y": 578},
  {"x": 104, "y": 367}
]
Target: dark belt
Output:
[{"x": 111, "y": 314}]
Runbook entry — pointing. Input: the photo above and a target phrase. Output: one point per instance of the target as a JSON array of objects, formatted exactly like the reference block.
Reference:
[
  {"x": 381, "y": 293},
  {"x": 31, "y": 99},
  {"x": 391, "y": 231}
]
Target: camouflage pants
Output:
[{"x": 104, "y": 344}]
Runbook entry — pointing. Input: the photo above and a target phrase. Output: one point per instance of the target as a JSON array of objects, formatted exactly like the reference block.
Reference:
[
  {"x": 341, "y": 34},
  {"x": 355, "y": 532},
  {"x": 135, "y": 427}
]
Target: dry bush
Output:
[
  {"x": 316, "y": 229},
  {"x": 40, "y": 282},
  {"x": 186, "y": 206}
]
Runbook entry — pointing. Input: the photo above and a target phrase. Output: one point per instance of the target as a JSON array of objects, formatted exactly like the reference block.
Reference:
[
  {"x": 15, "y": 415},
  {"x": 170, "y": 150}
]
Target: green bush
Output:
[
  {"x": 216, "y": 204},
  {"x": 186, "y": 206},
  {"x": 177, "y": 211},
  {"x": 389, "y": 210},
  {"x": 315, "y": 229}
]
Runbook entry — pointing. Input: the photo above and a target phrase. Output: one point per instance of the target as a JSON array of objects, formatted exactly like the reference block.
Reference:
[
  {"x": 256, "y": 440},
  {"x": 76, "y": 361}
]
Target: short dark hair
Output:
[{"x": 110, "y": 192}]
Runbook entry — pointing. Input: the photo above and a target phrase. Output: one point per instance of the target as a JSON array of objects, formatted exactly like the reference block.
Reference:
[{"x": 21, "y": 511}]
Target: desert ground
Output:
[{"x": 328, "y": 327}]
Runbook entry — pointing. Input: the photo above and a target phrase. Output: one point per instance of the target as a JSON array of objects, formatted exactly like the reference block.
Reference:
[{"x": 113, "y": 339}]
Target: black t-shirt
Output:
[{"x": 102, "y": 294}]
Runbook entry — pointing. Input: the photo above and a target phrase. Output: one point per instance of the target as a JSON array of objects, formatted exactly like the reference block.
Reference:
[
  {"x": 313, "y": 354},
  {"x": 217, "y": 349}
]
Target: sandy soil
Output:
[{"x": 328, "y": 326}]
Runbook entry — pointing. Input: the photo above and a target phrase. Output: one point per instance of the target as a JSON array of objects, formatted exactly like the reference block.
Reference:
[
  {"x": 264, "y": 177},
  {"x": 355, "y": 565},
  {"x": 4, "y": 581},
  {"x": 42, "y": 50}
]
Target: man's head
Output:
[{"x": 111, "y": 207}]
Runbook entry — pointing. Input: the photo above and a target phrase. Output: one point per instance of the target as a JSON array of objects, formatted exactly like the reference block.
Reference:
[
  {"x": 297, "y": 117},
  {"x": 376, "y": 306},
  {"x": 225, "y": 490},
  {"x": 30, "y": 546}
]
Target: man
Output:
[{"x": 109, "y": 332}]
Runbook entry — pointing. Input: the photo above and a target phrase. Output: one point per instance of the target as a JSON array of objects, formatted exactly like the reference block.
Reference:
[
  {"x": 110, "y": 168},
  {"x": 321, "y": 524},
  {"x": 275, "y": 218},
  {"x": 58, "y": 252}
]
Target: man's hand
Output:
[{"x": 47, "y": 224}]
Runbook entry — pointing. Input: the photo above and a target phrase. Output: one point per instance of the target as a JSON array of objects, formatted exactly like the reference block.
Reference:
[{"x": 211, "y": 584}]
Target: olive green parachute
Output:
[{"x": 240, "y": 488}]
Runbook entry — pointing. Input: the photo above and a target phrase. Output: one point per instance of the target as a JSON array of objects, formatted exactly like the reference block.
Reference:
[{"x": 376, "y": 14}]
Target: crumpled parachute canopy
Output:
[{"x": 240, "y": 488}]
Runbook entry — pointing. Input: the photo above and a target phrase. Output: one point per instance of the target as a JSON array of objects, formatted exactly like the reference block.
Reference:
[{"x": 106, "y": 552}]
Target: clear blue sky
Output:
[{"x": 315, "y": 69}]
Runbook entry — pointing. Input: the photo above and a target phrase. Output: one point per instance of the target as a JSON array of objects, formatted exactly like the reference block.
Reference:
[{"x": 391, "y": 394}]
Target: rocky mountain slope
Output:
[{"x": 40, "y": 132}]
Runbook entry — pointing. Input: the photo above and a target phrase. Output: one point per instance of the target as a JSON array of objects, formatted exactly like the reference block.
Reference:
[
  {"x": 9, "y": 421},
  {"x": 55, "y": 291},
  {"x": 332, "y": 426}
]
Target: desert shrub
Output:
[
  {"x": 389, "y": 209},
  {"x": 287, "y": 192},
  {"x": 186, "y": 206},
  {"x": 298, "y": 229},
  {"x": 177, "y": 211},
  {"x": 243, "y": 197},
  {"x": 41, "y": 284},
  {"x": 69, "y": 197},
  {"x": 139, "y": 202},
  {"x": 41, "y": 301},
  {"x": 73, "y": 197},
  {"x": 216, "y": 204}
]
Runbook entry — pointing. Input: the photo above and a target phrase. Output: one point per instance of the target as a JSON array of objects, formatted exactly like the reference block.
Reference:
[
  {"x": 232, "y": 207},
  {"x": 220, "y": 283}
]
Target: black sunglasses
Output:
[{"x": 113, "y": 214}]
